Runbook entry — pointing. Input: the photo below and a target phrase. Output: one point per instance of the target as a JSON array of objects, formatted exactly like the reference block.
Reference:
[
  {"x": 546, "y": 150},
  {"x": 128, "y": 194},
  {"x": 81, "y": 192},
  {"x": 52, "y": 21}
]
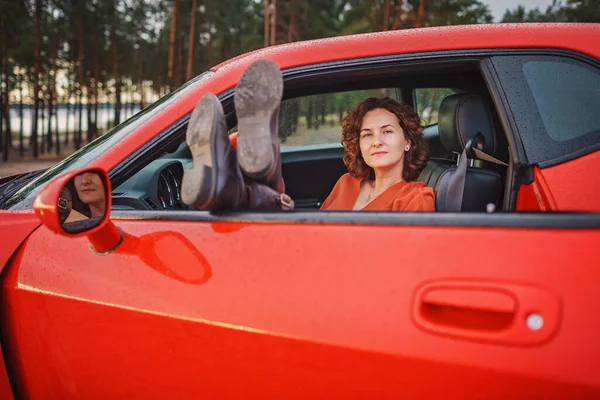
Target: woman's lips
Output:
[{"x": 379, "y": 153}]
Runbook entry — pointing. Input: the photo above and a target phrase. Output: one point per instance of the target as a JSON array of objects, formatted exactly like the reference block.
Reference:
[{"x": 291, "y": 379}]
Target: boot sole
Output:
[
  {"x": 199, "y": 182},
  {"x": 257, "y": 99}
]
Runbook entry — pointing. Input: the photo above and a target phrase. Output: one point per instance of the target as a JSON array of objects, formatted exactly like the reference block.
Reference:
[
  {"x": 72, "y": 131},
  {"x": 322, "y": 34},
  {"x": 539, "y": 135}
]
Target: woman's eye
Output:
[
  {"x": 387, "y": 132},
  {"x": 366, "y": 135}
]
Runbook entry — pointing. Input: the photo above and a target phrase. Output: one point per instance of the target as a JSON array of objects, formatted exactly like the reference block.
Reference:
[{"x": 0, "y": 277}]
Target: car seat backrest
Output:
[{"x": 461, "y": 117}]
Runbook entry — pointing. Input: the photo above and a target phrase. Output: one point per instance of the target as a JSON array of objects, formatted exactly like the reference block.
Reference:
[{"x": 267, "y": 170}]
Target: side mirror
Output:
[{"x": 78, "y": 204}]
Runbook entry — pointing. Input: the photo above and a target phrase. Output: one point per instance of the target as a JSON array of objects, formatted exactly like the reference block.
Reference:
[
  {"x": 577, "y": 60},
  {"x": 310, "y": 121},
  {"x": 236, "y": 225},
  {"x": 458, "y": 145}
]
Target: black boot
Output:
[
  {"x": 259, "y": 196},
  {"x": 257, "y": 99},
  {"x": 215, "y": 181}
]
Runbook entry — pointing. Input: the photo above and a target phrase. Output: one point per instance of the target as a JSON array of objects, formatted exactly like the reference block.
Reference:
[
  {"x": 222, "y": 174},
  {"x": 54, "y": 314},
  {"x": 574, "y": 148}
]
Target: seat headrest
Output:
[{"x": 460, "y": 117}]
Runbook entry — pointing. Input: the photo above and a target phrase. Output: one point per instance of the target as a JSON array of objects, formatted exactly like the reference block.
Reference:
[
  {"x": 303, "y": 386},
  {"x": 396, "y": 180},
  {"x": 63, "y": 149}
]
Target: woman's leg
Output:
[
  {"x": 216, "y": 181},
  {"x": 257, "y": 101}
]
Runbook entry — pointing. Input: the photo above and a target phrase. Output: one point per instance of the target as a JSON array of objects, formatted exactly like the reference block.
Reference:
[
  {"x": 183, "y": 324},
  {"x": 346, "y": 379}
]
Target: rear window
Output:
[
  {"x": 555, "y": 103},
  {"x": 427, "y": 103},
  {"x": 567, "y": 96}
]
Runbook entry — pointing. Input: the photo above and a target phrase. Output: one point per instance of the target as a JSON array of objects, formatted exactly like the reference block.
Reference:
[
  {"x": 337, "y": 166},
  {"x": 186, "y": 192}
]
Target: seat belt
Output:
[
  {"x": 486, "y": 157},
  {"x": 456, "y": 186}
]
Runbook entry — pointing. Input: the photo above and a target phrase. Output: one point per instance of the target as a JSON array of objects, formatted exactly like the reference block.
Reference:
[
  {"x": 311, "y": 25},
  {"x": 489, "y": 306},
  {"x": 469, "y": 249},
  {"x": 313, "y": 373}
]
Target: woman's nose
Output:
[
  {"x": 85, "y": 179},
  {"x": 377, "y": 140}
]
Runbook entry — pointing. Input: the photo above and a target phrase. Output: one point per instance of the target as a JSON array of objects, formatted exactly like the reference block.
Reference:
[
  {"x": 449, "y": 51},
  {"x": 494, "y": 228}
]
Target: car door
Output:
[
  {"x": 374, "y": 305},
  {"x": 309, "y": 304}
]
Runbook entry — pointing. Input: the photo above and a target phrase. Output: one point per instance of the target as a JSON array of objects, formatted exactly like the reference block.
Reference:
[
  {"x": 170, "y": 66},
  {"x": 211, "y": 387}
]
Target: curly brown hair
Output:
[{"x": 416, "y": 157}]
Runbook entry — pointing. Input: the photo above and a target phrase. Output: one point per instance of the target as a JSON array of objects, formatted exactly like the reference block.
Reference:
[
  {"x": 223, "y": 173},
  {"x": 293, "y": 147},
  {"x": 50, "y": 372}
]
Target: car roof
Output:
[{"x": 581, "y": 37}]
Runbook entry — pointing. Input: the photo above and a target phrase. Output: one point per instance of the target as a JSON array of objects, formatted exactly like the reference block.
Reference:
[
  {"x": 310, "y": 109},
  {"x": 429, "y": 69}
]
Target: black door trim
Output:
[{"x": 497, "y": 220}]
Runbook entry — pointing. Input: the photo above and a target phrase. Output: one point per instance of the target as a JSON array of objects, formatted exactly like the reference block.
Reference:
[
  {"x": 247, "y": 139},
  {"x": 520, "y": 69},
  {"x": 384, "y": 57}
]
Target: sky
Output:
[{"x": 498, "y": 7}]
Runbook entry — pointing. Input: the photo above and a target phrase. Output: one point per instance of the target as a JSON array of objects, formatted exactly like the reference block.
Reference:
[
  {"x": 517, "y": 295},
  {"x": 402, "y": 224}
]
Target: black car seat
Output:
[
  {"x": 465, "y": 126},
  {"x": 434, "y": 168}
]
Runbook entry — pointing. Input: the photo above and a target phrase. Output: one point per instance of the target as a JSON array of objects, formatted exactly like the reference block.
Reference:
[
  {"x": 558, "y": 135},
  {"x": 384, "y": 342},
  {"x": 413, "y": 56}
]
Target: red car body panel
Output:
[
  {"x": 14, "y": 228},
  {"x": 570, "y": 186},
  {"x": 537, "y": 195},
  {"x": 5, "y": 389},
  {"x": 150, "y": 334},
  {"x": 575, "y": 185},
  {"x": 274, "y": 320}
]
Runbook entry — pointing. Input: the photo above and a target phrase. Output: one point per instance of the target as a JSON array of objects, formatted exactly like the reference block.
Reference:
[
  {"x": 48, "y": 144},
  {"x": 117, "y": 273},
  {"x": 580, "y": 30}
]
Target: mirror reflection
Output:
[{"x": 82, "y": 202}]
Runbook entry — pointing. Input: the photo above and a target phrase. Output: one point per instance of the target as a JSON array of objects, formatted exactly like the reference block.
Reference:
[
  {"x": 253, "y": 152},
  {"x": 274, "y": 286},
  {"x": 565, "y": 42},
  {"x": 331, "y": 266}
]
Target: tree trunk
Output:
[
  {"x": 117, "y": 119},
  {"x": 159, "y": 68},
  {"x": 126, "y": 108},
  {"x": 309, "y": 113},
  {"x": 266, "y": 21},
  {"x": 116, "y": 77},
  {"x": 292, "y": 28},
  {"x": 49, "y": 139},
  {"x": 36, "y": 77},
  {"x": 373, "y": 17},
  {"x": 131, "y": 102},
  {"x": 68, "y": 115},
  {"x": 57, "y": 139},
  {"x": 80, "y": 72},
  {"x": 96, "y": 106},
  {"x": 173, "y": 46},
  {"x": 434, "y": 94},
  {"x": 221, "y": 52},
  {"x": 97, "y": 96},
  {"x": 79, "y": 135},
  {"x": 141, "y": 72},
  {"x": 42, "y": 127},
  {"x": 323, "y": 110},
  {"x": 52, "y": 70},
  {"x": 273, "y": 19},
  {"x": 6, "y": 103},
  {"x": 419, "y": 16},
  {"x": 96, "y": 85},
  {"x": 386, "y": 15},
  {"x": 90, "y": 125},
  {"x": 21, "y": 149},
  {"x": 398, "y": 16},
  {"x": 178, "y": 60},
  {"x": 75, "y": 108},
  {"x": 191, "y": 42}
]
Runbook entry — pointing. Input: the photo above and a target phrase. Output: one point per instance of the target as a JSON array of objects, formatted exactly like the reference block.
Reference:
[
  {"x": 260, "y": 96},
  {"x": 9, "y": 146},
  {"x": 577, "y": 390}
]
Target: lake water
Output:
[{"x": 106, "y": 114}]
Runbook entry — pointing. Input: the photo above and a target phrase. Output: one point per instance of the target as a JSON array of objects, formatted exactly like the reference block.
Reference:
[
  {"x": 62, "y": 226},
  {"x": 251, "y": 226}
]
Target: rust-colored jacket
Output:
[{"x": 403, "y": 196}]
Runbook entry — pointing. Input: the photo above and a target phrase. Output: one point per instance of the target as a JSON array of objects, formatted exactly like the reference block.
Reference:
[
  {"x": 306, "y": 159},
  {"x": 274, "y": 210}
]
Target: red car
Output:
[{"x": 498, "y": 300}]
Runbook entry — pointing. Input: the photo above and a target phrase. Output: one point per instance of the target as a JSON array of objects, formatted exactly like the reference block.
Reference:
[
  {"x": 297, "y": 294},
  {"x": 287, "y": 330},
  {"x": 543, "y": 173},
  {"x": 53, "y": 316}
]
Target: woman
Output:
[
  {"x": 90, "y": 190},
  {"x": 385, "y": 152}
]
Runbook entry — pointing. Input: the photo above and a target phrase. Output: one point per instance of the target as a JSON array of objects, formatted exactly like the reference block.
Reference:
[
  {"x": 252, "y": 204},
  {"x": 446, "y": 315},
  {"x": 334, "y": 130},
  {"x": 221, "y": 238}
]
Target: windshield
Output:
[{"x": 23, "y": 199}]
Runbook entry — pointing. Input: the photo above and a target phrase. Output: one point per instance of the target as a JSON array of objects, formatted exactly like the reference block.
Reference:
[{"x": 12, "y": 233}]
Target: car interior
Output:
[{"x": 451, "y": 97}]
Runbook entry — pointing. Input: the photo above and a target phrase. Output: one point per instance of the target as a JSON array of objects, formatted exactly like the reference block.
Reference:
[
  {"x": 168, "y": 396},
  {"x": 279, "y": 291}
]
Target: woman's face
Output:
[
  {"x": 90, "y": 188},
  {"x": 382, "y": 141}
]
